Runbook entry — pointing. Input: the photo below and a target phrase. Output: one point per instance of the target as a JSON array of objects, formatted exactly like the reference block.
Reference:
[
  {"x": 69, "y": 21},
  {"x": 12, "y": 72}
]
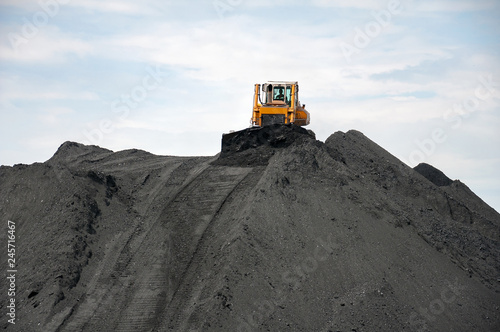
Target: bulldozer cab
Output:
[
  {"x": 278, "y": 104},
  {"x": 277, "y": 94}
]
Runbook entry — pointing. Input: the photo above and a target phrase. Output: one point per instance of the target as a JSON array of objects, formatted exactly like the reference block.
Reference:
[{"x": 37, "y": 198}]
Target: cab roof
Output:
[{"x": 282, "y": 82}]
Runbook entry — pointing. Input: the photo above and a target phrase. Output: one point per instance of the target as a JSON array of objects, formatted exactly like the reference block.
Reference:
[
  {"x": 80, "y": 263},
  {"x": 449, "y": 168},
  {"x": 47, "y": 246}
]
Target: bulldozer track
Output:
[
  {"x": 142, "y": 258},
  {"x": 110, "y": 279},
  {"x": 177, "y": 224},
  {"x": 186, "y": 289},
  {"x": 211, "y": 218}
]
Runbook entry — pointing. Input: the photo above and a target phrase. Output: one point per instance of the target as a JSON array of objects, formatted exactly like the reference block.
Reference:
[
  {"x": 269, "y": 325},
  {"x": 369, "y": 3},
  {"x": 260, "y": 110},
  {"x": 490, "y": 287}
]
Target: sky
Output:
[{"x": 421, "y": 78}]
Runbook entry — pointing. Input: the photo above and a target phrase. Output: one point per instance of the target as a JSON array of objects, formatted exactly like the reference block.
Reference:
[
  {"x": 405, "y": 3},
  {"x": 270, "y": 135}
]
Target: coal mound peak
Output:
[
  {"x": 433, "y": 174},
  {"x": 71, "y": 150},
  {"x": 275, "y": 136},
  {"x": 254, "y": 146}
]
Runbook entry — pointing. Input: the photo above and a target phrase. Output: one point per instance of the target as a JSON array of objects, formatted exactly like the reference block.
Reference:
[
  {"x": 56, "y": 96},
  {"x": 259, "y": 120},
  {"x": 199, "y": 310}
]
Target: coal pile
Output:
[
  {"x": 254, "y": 146},
  {"x": 279, "y": 232}
]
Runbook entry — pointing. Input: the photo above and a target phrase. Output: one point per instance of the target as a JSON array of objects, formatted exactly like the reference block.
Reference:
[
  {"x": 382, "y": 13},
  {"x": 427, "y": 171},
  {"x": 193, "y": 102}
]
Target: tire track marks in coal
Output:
[
  {"x": 98, "y": 309},
  {"x": 185, "y": 288},
  {"x": 199, "y": 242},
  {"x": 146, "y": 273},
  {"x": 186, "y": 219}
]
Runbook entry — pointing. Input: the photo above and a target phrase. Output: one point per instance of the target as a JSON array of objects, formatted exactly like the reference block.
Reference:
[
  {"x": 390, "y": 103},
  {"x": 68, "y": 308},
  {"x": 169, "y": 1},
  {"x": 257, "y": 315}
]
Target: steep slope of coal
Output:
[
  {"x": 302, "y": 236},
  {"x": 451, "y": 218}
]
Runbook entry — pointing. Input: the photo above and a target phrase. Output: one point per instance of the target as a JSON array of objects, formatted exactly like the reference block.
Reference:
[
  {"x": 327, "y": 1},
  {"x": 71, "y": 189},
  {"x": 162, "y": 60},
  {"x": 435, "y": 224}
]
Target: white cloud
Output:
[
  {"x": 54, "y": 116},
  {"x": 122, "y": 6},
  {"x": 27, "y": 5},
  {"x": 218, "y": 51},
  {"x": 31, "y": 89},
  {"x": 48, "y": 45}
]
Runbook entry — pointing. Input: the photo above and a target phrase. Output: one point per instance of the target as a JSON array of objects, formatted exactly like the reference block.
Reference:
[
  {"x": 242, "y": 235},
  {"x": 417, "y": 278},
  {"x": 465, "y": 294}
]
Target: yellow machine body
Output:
[{"x": 277, "y": 102}]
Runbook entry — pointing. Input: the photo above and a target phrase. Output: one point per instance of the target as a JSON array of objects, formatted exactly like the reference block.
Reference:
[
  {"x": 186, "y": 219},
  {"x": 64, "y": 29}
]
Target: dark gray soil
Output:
[{"x": 280, "y": 232}]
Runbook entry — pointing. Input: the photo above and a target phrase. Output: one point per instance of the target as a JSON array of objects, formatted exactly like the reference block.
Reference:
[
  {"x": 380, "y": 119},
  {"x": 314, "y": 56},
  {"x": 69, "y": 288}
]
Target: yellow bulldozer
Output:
[
  {"x": 277, "y": 117},
  {"x": 278, "y": 104}
]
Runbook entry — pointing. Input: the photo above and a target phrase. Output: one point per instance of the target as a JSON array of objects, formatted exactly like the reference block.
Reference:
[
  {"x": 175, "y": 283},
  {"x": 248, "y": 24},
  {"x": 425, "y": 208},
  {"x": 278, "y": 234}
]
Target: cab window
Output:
[
  {"x": 279, "y": 93},
  {"x": 288, "y": 95}
]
